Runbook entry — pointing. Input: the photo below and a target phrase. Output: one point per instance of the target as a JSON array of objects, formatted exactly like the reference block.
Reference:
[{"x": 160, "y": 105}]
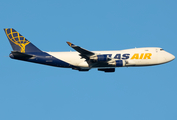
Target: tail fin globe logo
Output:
[{"x": 17, "y": 39}]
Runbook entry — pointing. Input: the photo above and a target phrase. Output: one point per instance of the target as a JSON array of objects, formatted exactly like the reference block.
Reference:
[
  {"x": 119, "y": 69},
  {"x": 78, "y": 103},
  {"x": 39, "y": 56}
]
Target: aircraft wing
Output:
[
  {"x": 83, "y": 52},
  {"x": 93, "y": 59}
]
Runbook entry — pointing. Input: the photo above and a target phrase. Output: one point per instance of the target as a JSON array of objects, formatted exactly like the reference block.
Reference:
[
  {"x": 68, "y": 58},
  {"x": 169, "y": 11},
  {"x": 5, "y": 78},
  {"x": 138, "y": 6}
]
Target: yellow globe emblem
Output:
[{"x": 17, "y": 39}]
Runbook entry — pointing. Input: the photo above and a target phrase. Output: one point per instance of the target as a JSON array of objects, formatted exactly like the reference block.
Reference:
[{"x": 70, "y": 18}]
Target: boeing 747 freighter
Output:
[{"x": 84, "y": 60}]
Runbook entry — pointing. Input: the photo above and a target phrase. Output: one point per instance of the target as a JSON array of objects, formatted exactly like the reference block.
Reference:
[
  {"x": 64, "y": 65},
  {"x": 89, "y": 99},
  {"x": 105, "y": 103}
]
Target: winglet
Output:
[{"x": 70, "y": 44}]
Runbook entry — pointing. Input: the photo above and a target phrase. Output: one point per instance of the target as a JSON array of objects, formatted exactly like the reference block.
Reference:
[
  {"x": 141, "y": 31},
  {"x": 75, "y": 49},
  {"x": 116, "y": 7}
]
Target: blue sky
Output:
[{"x": 32, "y": 91}]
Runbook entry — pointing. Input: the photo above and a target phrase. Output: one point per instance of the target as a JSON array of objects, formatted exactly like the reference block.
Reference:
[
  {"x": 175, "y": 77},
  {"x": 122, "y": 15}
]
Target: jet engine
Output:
[
  {"x": 99, "y": 58},
  {"x": 117, "y": 63}
]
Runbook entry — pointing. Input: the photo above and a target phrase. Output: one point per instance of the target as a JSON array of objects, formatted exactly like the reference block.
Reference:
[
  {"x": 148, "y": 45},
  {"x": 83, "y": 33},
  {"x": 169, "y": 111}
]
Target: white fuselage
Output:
[{"x": 133, "y": 57}]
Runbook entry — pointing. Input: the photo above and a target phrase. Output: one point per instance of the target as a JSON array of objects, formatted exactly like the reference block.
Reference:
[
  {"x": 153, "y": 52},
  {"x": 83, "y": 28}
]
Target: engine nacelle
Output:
[
  {"x": 118, "y": 63},
  {"x": 99, "y": 58}
]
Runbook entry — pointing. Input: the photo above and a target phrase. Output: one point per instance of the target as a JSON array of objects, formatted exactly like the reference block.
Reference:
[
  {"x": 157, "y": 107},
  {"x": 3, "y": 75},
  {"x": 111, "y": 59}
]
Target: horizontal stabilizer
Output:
[{"x": 19, "y": 55}]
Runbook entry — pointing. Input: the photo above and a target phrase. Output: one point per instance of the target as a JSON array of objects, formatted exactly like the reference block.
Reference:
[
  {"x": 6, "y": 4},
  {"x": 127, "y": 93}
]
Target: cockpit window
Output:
[{"x": 161, "y": 49}]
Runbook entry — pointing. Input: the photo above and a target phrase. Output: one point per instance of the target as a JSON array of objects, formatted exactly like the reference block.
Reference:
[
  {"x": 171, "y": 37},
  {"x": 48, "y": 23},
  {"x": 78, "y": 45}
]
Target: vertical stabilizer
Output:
[{"x": 20, "y": 43}]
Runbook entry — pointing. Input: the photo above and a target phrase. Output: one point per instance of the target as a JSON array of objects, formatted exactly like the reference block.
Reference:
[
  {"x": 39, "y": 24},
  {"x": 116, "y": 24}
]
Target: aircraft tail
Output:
[{"x": 20, "y": 43}]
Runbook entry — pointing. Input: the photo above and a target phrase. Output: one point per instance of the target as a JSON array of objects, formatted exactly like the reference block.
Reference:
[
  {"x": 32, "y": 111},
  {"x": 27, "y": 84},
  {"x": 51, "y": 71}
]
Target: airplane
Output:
[{"x": 84, "y": 60}]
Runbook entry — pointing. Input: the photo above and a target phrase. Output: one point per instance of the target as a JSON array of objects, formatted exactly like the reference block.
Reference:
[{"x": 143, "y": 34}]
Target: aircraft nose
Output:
[{"x": 170, "y": 57}]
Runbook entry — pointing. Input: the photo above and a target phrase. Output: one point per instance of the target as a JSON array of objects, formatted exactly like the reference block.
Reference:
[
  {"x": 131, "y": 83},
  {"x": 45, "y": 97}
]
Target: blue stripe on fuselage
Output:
[{"x": 45, "y": 58}]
